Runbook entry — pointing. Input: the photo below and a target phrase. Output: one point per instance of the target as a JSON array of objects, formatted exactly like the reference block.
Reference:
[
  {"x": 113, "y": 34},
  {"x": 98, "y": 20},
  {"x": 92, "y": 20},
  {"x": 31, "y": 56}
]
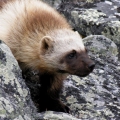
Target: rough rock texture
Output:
[
  {"x": 54, "y": 3},
  {"x": 15, "y": 102},
  {"x": 96, "y": 17}
]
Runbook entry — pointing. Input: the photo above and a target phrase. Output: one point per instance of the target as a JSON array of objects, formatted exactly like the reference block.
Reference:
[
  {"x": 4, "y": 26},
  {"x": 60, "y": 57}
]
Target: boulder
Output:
[{"x": 15, "y": 102}]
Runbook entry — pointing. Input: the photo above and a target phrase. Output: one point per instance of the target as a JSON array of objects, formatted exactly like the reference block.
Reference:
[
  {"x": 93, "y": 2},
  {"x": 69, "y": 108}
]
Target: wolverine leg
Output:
[{"x": 49, "y": 95}]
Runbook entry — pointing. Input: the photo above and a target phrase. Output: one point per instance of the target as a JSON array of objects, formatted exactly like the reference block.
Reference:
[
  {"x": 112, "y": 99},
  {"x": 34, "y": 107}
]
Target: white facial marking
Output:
[
  {"x": 67, "y": 41},
  {"x": 64, "y": 41}
]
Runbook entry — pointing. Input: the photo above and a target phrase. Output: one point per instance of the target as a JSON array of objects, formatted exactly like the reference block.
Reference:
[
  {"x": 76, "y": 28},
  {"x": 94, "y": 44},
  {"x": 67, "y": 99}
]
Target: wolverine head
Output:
[{"x": 63, "y": 51}]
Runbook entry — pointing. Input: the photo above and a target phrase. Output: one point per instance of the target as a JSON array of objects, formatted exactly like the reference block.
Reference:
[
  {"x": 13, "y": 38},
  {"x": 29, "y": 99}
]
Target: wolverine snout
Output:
[
  {"x": 86, "y": 69},
  {"x": 91, "y": 66}
]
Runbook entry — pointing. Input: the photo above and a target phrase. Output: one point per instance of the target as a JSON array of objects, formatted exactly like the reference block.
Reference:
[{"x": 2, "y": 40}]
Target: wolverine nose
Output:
[{"x": 91, "y": 66}]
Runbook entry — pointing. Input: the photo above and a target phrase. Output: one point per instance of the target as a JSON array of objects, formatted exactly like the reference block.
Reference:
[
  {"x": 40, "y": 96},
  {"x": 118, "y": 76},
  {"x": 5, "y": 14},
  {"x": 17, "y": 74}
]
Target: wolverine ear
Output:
[
  {"x": 78, "y": 34},
  {"x": 46, "y": 43}
]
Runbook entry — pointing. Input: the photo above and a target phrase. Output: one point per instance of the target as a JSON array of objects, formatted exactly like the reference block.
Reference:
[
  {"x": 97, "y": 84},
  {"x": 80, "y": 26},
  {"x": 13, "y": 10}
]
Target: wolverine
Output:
[{"x": 42, "y": 39}]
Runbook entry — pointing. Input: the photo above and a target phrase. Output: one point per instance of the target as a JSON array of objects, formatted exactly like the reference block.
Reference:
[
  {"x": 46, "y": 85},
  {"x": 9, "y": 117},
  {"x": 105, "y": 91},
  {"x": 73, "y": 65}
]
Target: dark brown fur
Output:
[
  {"x": 50, "y": 90},
  {"x": 78, "y": 63}
]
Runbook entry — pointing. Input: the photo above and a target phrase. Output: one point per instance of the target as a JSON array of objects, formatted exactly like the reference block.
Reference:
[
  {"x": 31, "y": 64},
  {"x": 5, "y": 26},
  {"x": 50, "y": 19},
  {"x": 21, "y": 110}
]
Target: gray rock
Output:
[
  {"x": 53, "y": 3},
  {"x": 15, "y": 102},
  {"x": 50, "y": 115}
]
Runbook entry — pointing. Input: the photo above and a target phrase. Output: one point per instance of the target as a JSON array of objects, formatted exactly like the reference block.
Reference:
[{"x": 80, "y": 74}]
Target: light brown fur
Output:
[
  {"x": 4, "y": 2},
  {"x": 29, "y": 24}
]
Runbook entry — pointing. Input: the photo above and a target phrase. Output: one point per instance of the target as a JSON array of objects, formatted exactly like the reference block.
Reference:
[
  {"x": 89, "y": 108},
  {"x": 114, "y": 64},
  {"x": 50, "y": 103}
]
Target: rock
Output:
[
  {"x": 53, "y": 3},
  {"x": 15, "y": 101},
  {"x": 50, "y": 115}
]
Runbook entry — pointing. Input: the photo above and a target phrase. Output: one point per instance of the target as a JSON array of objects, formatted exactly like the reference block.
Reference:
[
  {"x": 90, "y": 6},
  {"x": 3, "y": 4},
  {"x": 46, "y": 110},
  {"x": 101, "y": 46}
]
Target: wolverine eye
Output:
[{"x": 72, "y": 55}]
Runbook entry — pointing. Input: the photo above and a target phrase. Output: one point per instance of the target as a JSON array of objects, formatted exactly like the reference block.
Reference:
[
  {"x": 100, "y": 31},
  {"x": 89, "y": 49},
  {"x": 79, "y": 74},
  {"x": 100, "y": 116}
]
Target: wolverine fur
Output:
[{"x": 41, "y": 39}]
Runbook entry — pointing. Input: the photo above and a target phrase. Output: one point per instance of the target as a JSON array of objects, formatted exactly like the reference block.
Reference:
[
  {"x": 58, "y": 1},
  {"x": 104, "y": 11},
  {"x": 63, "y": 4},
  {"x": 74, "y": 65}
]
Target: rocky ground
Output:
[{"x": 95, "y": 97}]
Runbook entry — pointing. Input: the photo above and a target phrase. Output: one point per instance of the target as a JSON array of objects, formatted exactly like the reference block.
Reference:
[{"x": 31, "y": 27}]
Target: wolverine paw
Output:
[
  {"x": 54, "y": 105},
  {"x": 60, "y": 107}
]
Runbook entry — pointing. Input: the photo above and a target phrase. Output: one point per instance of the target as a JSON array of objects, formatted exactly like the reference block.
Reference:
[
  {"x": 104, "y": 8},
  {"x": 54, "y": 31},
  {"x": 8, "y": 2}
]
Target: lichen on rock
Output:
[{"x": 14, "y": 95}]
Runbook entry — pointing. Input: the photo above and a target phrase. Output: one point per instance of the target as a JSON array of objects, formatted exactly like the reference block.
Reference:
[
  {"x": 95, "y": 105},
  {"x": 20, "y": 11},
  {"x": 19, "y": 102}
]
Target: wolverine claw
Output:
[
  {"x": 55, "y": 105},
  {"x": 67, "y": 109},
  {"x": 60, "y": 107}
]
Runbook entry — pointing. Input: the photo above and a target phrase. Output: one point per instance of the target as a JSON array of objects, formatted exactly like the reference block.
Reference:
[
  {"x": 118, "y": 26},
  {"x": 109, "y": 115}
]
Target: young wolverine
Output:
[{"x": 41, "y": 39}]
